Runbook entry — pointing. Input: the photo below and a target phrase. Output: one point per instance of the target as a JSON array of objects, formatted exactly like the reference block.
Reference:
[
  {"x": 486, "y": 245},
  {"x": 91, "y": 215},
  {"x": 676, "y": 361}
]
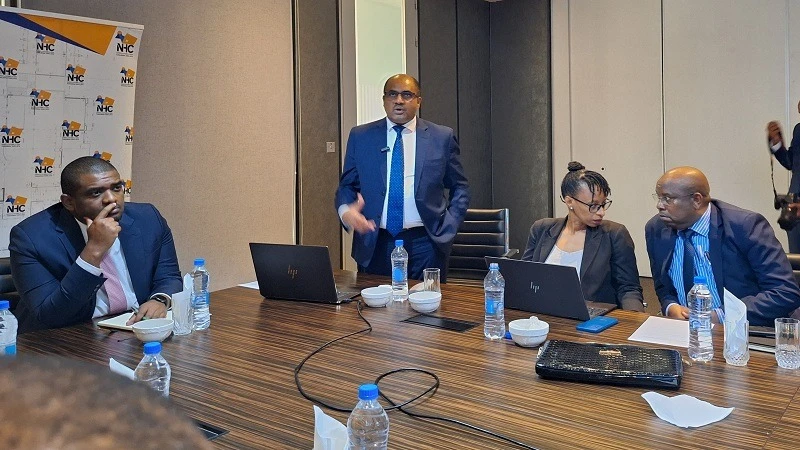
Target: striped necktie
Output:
[{"x": 117, "y": 302}]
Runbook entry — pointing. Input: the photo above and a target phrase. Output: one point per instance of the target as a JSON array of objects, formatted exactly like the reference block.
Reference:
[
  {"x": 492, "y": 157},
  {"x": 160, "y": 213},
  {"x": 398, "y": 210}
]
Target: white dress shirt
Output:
[
  {"x": 562, "y": 258},
  {"x": 411, "y": 217},
  {"x": 118, "y": 258}
]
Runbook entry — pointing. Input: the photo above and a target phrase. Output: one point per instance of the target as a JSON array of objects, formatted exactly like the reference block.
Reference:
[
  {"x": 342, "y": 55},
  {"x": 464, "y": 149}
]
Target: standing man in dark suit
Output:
[
  {"x": 393, "y": 185},
  {"x": 91, "y": 254},
  {"x": 732, "y": 248},
  {"x": 790, "y": 159}
]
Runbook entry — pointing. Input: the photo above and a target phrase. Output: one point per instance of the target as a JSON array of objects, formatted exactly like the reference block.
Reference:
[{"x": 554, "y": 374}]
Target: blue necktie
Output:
[
  {"x": 688, "y": 259},
  {"x": 394, "y": 206}
]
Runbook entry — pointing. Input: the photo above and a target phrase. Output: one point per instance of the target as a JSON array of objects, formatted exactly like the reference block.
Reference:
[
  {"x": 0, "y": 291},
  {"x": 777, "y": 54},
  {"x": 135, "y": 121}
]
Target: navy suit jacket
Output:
[
  {"x": 437, "y": 168},
  {"x": 57, "y": 292},
  {"x": 790, "y": 159},
  {"x": 608, "y": 267},
  {"x": 746, "y": 259}
]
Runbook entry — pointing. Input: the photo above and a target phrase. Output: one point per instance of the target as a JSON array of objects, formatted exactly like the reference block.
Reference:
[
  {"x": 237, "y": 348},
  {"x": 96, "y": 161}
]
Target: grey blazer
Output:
[{"x": 608, "y": 268}]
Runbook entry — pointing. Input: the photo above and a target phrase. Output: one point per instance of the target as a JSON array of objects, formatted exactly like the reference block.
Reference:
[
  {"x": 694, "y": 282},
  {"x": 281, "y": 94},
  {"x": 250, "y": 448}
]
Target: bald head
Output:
[
  {"x": 403, "y": 79},
  {"x": 684, "y": 195}
]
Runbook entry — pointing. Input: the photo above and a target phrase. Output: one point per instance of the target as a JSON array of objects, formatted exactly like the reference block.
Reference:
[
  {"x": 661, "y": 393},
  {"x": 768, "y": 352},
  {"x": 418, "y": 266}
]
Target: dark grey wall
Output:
[
  {"x": 317, "y": 108},
  {"x": 521, "y": 112},
  {"x": 501, "y": 103},
  {"x": 454, "y": 72}
]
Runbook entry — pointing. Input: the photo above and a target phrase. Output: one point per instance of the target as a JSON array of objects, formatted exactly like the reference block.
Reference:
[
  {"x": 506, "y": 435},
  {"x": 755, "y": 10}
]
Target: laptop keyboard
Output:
[
  {"x": 594, "y": 312},
  {"x": 344, "y": 296}
]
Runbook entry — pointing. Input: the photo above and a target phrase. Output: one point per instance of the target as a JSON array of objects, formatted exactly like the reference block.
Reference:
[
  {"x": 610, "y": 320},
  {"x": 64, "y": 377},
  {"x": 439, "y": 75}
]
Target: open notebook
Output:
[{"x": 119, "y": 321}]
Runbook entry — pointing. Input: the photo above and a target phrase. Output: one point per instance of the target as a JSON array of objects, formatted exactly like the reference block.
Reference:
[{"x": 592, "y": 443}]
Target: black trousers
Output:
[{"x": 422, "y": 254}]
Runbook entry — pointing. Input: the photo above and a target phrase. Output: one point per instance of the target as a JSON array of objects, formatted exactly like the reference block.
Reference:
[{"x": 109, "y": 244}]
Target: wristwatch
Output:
[{"x": 162, "y": 298}]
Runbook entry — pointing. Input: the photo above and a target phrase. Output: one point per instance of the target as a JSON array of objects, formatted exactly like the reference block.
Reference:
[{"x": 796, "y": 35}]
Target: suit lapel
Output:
[
  {"x": 549, "y": 239},
  {"x": 715, "y": 235},
  {"x": 130, "y": 242},
  {"x": 590, "y": 248},
  {"x": 377, "y": 145},
  {"x": 423, "y": 142},
  {"x": 70, "y": 234},
  {"x": 668, "y": 235}
]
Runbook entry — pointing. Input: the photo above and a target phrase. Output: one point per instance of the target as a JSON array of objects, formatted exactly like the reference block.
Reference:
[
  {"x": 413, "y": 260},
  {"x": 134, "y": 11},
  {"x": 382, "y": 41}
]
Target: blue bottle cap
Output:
[
  {"x": 367, "y": 392},
  {"x": 398, "y": 243},
  {"x": 699, "y": 280},
  {"x": 199, "y": 262},
  {"x": 151, "y": 348},
  {"x": 494, "y": 266},
  {"x": 4, "y": 304}
]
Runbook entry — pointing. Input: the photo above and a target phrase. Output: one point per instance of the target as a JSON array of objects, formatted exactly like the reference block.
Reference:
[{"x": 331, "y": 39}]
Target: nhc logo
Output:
[
  {"x": 11, "y": 137},
  {"x": 105, "y": 105},
  {"x": 70, "y": 130},
  {"x": 45, "y": 44},
  {"x": 8, "y": 67},
  {"x": 105, "y": 155},
  {"x": 44, "y": 166},
  {"x": 125, "y": 45},
  {"x": 40, "y": 100},
  {"x": 127, "y": 77},
  {"x": 129, "y": 135},
  {"x": 128, "y": 186},
  {"x": 16, "y": 205},
  {"x": 75, "y": 74}
]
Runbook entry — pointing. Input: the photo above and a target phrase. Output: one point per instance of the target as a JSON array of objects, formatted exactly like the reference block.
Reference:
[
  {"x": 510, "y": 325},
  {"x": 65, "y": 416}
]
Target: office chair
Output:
[
  {"x": 7, "y": 289},
  {"x": 483, "y": 233}
]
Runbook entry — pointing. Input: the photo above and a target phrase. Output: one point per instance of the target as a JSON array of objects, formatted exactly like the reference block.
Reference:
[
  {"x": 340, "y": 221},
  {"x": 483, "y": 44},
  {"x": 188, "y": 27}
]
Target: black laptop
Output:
[
  {"x": 296, "y": 272},
  {"x": 546, "y": 289}
]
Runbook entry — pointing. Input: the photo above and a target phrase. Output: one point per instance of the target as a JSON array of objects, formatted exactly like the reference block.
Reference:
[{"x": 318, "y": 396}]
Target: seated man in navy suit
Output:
[
  {"x": 91, "y": 254},
  {"x": 397, "y": 172},
  {"x": 732, "y": 248}
]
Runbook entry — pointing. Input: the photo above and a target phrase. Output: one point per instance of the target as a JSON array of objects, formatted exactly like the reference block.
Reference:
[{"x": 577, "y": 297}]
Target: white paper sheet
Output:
[
  {"x": 661, "y": 330},
  {"x": 250, "y": 285}
]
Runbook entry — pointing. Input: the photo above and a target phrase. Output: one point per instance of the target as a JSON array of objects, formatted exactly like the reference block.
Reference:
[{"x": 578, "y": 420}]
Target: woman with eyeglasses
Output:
[{"x": 600, "y": 250}]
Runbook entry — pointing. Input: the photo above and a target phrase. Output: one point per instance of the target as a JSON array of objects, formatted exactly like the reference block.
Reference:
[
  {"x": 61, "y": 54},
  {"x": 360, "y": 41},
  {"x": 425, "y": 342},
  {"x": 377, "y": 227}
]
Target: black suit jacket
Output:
[
  {"x": 790, "y": 159},
  {"x": 608, "y": 268}
]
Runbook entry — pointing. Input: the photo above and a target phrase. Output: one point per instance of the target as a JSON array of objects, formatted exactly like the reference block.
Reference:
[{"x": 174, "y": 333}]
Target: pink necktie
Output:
[{"x": 117, "y": 302}]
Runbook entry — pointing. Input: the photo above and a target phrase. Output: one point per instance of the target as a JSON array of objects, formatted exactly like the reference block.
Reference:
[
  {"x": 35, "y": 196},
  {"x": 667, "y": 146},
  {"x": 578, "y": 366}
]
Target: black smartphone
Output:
[{"x": 441, "y": 322}]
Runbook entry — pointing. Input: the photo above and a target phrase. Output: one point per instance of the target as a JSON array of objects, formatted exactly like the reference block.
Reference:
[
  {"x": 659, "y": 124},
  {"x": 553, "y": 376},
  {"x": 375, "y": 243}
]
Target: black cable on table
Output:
[{"x": 430, "y": 391}]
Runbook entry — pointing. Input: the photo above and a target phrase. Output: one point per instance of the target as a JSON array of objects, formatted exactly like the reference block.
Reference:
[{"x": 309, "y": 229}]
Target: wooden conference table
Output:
[{"x": 238, "y": 375}]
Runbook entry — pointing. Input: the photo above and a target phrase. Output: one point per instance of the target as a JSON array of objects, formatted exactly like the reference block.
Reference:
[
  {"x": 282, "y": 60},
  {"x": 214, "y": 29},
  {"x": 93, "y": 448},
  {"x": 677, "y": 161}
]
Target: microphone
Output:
[{"x": 385, "y": 150}]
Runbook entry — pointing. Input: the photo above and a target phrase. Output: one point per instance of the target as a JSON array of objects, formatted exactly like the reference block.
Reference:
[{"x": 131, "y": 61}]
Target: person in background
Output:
[
  {"x": 50, "y": 402},
  {"x": 733, "y": 248},
  {"x": 91, "y": 254},
  {"x": 790, "y": 159},
  {"x": 600, "y": 250},
  {"x": 395, "y": 182}
]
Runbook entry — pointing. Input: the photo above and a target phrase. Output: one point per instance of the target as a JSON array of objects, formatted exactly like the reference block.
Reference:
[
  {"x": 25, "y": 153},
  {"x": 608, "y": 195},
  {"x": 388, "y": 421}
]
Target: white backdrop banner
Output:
[{"x": 67, "y": 86}]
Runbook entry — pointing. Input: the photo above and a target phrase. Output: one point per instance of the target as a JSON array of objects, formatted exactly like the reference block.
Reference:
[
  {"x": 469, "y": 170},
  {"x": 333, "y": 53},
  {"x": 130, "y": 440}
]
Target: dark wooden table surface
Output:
[{"x": 239, "y": 375}]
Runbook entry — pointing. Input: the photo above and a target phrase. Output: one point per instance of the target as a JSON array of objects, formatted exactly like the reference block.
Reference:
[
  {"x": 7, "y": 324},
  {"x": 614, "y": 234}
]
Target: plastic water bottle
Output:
[
  {"x": 201, "y": 318},
  {"x": 153, "y": 369},
  {"x": 8, "y": 330},
  {"x": 368, "y": 425},
  {"x": 699, "y": 301},
  {"x": 399, "y": 272},
  {"x": 494, "y": 286}
]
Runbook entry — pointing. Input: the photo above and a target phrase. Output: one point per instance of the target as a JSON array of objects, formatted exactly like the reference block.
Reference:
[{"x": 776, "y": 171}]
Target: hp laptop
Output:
[
  {"x": 296, "y": 272},
  {"x": 546, "y": 289}
]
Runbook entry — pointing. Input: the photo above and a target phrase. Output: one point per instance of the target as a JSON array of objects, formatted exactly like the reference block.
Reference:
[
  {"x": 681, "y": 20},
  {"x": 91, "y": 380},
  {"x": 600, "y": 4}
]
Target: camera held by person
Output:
[{"x": 790, "y": 208}]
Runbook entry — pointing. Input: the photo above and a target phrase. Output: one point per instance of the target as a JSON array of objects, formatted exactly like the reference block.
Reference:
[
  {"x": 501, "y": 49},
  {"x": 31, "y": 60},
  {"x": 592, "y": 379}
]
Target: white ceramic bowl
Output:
[
  {"x": 425, "y": 301},
  {"x": 377, "y": 296},
  {"x": 153, "y": 330},
  {"x": 528, "y": 332}
]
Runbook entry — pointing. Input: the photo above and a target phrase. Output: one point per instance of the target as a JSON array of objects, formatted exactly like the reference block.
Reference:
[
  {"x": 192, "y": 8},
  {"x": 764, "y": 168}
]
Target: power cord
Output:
[{"x": 429, "y": 392}]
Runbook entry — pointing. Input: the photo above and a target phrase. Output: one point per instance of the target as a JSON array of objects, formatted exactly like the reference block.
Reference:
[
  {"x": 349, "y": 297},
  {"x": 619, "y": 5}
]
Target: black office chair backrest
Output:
[
  {"x": 483, "y": 233},
  {"x": 794, "y": 259},
  {"x": 7, "y": 289}
]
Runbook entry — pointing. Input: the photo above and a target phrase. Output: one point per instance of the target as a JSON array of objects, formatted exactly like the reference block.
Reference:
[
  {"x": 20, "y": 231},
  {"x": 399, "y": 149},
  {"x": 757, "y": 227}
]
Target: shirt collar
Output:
[
  {"x": 411, "y": 125},
  {"x": 702, "y": 225},
  {"x": 84, "y": 229}
]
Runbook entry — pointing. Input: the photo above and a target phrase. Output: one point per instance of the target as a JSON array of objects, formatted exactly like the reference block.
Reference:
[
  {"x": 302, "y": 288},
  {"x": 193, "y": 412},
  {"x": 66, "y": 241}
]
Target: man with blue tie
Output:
[
  {"x": 733, "y": 248},
  {"x": 394, "y": 184},
  {"x": 91, "y": 254}
]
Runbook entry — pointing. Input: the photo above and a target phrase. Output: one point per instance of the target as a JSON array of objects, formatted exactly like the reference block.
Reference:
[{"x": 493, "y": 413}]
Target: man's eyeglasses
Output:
[
  {"x": 668, "y": 200},
  {"x": 406, "y": 95},
  {"x": 595, "y": 207}
]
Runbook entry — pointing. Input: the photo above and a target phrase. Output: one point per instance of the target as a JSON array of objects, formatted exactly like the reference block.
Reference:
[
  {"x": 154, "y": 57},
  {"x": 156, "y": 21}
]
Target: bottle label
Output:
[
  {"x": 491, "y": 306},
  {"x": 10, "y": 350},
  {"x": 397, "y": 275}
]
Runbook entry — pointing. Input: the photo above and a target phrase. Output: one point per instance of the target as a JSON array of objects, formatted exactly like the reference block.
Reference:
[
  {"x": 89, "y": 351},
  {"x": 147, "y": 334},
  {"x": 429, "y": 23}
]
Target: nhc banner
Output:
[{"x": 67, "y": 87}]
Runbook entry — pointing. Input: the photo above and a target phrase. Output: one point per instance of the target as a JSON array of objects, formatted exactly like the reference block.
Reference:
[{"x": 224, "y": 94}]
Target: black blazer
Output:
[{"x": 608, "y": 268}]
